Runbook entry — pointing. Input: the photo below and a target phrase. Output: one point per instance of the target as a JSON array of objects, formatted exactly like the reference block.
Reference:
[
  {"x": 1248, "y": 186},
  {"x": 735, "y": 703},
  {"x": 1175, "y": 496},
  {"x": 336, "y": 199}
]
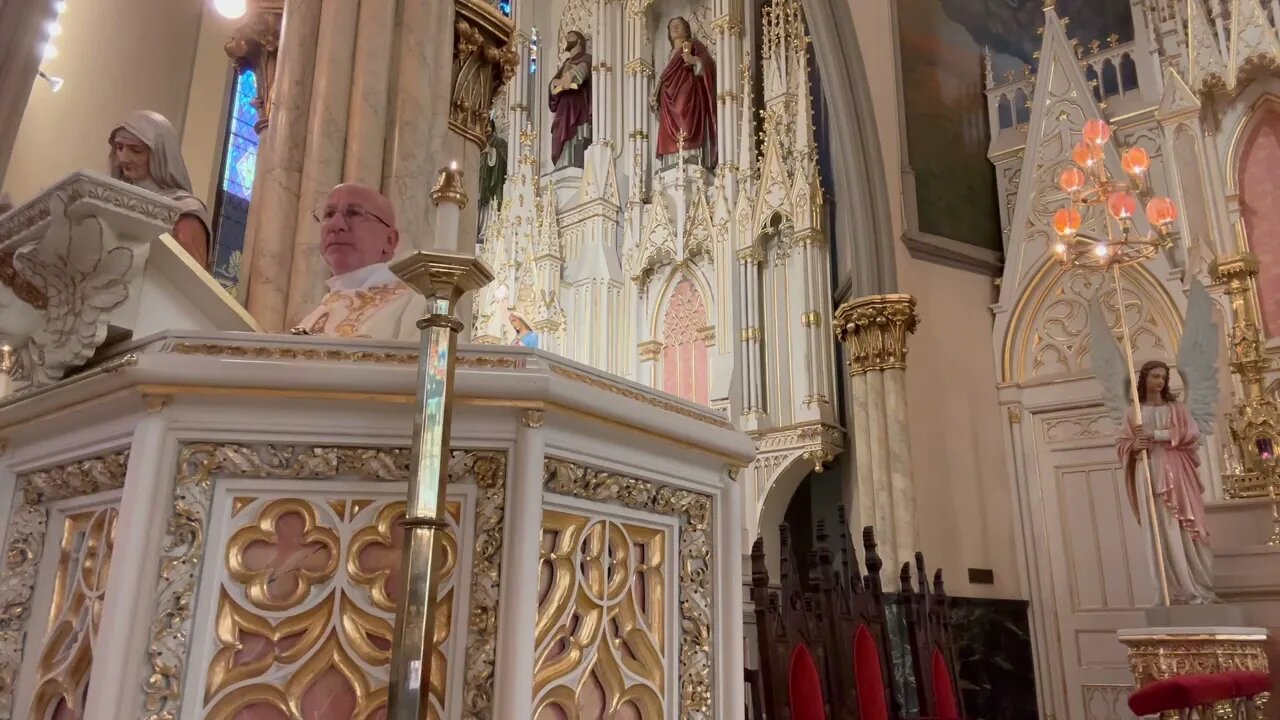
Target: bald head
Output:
[{"x": 357, "y": 229}]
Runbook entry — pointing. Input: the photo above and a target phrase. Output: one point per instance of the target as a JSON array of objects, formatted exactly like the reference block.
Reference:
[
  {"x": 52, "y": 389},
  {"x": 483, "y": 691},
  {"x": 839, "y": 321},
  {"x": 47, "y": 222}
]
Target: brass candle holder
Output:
[{"x": 443, "y": 277}]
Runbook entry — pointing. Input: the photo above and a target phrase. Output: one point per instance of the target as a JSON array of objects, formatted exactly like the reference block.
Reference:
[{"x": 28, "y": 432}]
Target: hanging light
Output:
[
  {"x": 1135, "y": 162},
  {"x": 1066, "y": 221},
  {"x": 1071, "y": 180},
  {"x": 60, "y": 7},
  {"x": 1122, "y": 205},
  {"x": 231, "y": 9},
  {"x": 53, "y": 28},
  {"x": 1086, "y": 155},
  {"x": 49, "y": 51},
  {"x": 55, "y": 82},
  {"x": 1097, "y": 132},
  {"x": 1161, "y": 212},
  {"x": 1060, "y": 249},
  {"x": 1101, "y": 250}
]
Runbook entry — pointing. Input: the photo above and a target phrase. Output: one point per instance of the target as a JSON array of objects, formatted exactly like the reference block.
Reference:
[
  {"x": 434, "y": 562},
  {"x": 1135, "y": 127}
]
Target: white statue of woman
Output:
[{"x": 145, "y": 152}]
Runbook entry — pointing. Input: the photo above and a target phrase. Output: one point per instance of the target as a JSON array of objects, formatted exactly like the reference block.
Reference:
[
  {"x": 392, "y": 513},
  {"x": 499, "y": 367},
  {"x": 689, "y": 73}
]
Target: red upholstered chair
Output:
[
  {"x": 1194, "y": 696},
  {"x": 804, "y": 687},
  {"x": 791, "y": 643},
  {"x": 929, "y": 636}
]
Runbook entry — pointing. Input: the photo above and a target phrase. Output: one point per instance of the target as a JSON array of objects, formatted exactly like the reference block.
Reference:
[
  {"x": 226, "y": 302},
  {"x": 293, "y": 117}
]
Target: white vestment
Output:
[{"x": 367, "y": 303}]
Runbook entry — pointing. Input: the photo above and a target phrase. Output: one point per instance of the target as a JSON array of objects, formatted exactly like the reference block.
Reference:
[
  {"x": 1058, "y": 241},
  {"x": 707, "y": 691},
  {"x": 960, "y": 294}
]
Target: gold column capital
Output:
[
  {"x": 874, "y": 330},
  {"x": 254, "y": 45},
  {"x": 1236, "y": 268},
  {"x": 484, "y": 59}
]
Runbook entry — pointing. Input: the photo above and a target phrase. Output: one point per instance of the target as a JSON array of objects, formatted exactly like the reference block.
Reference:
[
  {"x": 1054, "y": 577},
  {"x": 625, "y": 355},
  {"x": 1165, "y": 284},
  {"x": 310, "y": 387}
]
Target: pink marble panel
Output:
[{"x": 1260, "y": 209}]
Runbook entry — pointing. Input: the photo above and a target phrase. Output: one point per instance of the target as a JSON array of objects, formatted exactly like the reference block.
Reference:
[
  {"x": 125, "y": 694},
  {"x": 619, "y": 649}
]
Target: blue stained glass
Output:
[
  {"x": 242, "y": 140},
  {"x": 505, "y": 7}
]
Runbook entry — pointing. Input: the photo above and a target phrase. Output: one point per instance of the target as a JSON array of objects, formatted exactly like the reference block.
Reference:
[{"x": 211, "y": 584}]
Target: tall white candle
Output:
[{"x": 448, "y": 219}]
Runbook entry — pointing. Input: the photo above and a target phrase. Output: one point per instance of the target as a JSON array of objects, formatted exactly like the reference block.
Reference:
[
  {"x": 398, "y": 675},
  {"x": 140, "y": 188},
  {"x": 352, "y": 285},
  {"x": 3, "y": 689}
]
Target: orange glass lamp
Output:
[{"x": 1090, "y": 187}]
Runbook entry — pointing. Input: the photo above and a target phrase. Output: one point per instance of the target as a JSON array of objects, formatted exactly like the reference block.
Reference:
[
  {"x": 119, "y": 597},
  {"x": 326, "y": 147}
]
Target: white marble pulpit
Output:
[
  {"x": 211, "y": 529},
  {"x": 90, "y": 262}
]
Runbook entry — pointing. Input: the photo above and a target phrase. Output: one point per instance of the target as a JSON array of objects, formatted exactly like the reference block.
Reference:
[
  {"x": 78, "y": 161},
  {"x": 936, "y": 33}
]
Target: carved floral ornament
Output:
[
  {"x": 28, "y": 526},
  {"x": 363, "y": 553},
  {"x": 874, "y": 330},
  {"x": 484, "y": 59}
]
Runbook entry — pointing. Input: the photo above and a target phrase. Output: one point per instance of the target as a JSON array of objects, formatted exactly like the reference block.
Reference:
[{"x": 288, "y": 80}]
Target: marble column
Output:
[
  {"x": 359, "y": 96},
  {"x": 874, "y": 331},
  {"x": 323, "y": 159},
  {"x": 280, "y": 176}
]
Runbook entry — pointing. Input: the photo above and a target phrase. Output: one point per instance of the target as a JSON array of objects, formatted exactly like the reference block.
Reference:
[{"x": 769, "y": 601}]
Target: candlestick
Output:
[{"x": 450, "y": 199}]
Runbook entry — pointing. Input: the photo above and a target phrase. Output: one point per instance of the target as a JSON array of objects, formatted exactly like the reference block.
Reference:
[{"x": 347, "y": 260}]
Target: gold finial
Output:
[{"x": 449, "y": 188}]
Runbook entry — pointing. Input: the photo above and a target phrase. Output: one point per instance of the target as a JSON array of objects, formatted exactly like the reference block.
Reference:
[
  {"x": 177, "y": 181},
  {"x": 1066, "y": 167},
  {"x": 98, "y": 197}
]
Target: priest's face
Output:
[
  {"x": 357, "y": 229},
  {"x": 132, "y": 155}
]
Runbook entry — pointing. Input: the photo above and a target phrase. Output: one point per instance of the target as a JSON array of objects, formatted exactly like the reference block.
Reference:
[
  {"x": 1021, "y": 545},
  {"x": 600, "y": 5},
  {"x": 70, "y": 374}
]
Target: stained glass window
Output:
[
  {"x": 505, "y": 7},
  {"x": 235, "y": 188}
]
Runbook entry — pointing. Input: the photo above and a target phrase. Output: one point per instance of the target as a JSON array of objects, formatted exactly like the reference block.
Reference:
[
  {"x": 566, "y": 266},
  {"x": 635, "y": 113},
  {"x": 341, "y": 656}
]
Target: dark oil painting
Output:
[{"x": 941, "y": 47}]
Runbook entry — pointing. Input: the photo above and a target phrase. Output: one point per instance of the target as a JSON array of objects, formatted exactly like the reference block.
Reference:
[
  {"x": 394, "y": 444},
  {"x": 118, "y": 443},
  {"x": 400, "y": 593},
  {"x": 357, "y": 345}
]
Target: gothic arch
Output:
[
  {"x": 863, "y": 231},
  {"x": 674, "y": 273},
  {"x": 1260, "y": 97},
  {"x": 769, "y": 511},
  {"x": 1257, "y": 175},
  {"x": 1048, "y": 336}
]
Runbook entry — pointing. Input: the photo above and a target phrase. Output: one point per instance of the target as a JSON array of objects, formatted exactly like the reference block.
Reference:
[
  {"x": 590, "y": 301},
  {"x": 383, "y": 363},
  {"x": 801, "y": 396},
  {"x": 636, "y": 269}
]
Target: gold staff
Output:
[
  {"x": 1088, "y": 184},
  {"x": 442, "y": 276}
]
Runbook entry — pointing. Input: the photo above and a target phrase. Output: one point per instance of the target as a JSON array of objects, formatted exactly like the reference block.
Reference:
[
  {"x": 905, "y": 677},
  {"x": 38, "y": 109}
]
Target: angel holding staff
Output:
[{"x": 1164, "y": 443}]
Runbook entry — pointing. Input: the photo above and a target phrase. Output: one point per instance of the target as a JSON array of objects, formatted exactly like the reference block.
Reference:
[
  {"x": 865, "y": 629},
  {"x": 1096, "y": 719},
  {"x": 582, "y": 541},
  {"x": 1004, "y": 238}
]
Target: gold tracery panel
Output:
[
  {"x": 62, "y": 672},
  {"x": 602, "y": 589},
  {"x": 306, "y": 606},
  {"x": 301, "y": 614},
  {"x": 600, "y": 634}
]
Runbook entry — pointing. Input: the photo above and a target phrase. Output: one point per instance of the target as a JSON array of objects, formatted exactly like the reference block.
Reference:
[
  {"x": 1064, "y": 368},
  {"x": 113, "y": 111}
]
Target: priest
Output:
[{"x": 358, "y": 236}]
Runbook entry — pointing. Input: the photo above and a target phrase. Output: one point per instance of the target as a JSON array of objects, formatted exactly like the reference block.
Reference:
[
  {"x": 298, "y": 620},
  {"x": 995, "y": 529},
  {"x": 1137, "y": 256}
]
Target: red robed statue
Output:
[{"x": 685, "y": 99}]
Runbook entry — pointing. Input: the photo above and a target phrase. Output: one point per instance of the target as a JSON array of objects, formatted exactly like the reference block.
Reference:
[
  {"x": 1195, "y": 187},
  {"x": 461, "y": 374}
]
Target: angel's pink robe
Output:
[{"x": 1175, "y": 481}]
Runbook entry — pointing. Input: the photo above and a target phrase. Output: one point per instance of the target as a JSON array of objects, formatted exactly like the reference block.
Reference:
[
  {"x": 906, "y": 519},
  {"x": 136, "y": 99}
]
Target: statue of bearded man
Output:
[{"x": 145, "y": 152}]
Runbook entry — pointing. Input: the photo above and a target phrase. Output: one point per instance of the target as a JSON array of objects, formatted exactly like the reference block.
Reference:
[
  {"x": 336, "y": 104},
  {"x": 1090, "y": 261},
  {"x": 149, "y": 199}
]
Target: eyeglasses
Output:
[{"x": 350, "y": 213}]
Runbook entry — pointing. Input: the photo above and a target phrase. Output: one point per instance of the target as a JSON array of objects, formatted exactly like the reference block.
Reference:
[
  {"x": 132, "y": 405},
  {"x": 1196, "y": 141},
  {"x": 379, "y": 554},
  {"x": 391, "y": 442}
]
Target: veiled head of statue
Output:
[
  {"x": 1153, "y": 380},
  {"x": 357, "y": 228},
  {"x": 678, "y": 30},
  {"x": 145, "y": 151}
]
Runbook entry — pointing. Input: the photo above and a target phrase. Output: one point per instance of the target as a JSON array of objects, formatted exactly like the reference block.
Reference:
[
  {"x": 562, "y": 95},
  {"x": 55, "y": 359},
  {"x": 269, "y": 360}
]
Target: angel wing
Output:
[
  {"x": 1198, "y": 358},
  {"x": 83, "y": 281},
  {"x": 1108, "y": 363}
]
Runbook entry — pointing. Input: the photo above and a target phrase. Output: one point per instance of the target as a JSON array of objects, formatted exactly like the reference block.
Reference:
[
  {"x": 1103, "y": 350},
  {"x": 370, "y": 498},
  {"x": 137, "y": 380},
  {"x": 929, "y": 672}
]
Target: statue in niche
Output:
[
  {"x": 685, "y": 99},
  {"x": 1169, "y": 432},
  {"x": 145, "y": 152},
  {"x": 570, "y": 102}
]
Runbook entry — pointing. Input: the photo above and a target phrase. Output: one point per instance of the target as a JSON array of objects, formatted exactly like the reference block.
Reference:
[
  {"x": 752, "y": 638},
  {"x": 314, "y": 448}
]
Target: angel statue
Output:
[{"x": 1160, "y": 449}]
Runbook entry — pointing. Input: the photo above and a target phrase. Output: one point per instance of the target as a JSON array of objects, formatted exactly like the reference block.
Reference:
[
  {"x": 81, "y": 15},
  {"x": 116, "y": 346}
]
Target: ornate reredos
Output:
[{"x": 589, "y": 251}]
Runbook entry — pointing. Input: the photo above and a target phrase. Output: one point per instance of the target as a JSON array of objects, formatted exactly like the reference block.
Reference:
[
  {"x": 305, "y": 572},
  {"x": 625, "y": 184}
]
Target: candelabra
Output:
[
  {"x": 1252, "y": 469},
  {"x": 443, "y": 276},
  {"x": 1090, "y": 187}
]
